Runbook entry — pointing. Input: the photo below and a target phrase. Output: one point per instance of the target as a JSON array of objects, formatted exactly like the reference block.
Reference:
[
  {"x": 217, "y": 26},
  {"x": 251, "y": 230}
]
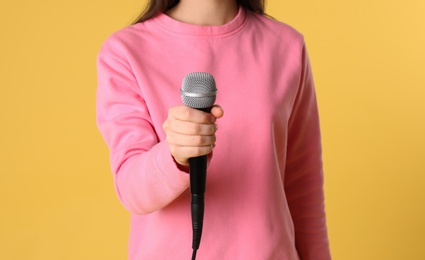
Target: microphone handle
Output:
[{"x": 197, "y": 174}]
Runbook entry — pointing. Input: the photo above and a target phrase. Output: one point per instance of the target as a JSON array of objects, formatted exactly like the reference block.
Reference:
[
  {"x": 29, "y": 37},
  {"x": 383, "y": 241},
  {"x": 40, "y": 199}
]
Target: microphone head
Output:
[{"x": 198, "y": 90}]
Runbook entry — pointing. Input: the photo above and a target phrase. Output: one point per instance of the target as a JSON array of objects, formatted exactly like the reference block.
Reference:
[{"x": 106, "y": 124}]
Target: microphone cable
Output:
[{"x": 194, "y": 254}]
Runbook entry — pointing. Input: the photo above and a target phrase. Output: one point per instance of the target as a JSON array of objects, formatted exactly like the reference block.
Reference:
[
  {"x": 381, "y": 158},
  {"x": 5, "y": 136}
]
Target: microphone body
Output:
[
  {"x": 198, "y": 174},
  {"x": 198, "y": 91}
]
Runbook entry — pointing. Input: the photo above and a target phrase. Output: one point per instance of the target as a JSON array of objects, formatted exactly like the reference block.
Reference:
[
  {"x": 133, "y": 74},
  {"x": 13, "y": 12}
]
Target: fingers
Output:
[
  {"x": 184, "y": 113},
  {"x": 190, "y": 140},
  {"x": 190, "y": 132},
  {"x": 181, "y": 154},
  {"x": 190, "y": 128}
]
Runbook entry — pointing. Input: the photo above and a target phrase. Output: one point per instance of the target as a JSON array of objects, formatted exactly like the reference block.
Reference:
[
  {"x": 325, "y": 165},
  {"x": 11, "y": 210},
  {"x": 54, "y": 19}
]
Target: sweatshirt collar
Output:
[{"x": 179, "y": 28}]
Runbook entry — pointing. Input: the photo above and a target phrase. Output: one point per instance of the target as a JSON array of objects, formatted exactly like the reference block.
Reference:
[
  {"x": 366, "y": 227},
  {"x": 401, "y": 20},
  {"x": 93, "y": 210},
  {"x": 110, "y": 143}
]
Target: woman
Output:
[{"x": 264, "y": 197}]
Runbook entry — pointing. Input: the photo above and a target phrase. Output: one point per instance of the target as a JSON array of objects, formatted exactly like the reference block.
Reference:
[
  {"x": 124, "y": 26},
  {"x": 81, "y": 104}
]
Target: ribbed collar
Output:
[{"x": 183, "y": 29}]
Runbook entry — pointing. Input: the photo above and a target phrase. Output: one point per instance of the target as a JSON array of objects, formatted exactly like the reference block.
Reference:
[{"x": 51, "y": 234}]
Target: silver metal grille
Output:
[{"x": 198, "y": 90}]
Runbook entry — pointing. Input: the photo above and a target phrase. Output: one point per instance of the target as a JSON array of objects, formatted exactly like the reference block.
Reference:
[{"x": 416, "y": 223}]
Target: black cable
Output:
[{"x": 194, "y": 254}]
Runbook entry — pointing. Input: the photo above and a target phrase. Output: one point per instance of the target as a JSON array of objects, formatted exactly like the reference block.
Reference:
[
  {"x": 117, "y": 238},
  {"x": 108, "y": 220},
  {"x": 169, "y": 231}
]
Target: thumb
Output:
[{"x": 217, "y": 111}]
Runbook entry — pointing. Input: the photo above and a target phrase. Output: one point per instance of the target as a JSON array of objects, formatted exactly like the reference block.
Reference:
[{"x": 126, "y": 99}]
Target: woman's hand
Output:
[{"x": 190, "y": 132}]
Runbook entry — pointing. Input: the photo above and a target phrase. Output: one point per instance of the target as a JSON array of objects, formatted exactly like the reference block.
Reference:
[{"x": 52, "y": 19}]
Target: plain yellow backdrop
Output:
[{"x": 56, "y": 193}]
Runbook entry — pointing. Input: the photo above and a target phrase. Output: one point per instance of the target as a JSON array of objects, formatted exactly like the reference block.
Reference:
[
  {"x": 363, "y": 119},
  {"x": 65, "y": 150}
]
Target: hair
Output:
[{"x": 155, "y": 7}]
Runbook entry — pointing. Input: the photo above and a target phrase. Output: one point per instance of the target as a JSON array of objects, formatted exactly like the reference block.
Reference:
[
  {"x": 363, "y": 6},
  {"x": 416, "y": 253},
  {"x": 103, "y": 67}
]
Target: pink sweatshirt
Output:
[{"x": 264, "y": 196}]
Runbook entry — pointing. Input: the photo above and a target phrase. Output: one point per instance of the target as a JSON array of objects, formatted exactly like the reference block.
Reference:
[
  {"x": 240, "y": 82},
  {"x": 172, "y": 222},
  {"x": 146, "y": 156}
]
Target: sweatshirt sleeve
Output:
[
  {"x": 304, "y": 171},
  {"x": 146, "y": 177}
]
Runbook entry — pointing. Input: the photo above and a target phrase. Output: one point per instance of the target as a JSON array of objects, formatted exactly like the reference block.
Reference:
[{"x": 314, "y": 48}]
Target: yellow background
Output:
[{"x": 56, "y": 193}]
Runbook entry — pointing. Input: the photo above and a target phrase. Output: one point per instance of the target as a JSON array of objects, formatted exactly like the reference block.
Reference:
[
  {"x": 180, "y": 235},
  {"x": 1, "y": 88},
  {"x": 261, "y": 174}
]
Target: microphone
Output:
[{"x": 198, "y": 91}]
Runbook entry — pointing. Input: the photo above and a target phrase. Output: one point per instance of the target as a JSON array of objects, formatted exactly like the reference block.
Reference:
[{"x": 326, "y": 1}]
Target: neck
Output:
[{"x": 205, "y": 12}]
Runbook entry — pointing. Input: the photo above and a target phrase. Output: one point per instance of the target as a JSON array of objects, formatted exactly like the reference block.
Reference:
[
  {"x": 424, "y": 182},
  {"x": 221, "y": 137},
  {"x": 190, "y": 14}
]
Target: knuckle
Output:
[
  {"x": 212, "y": 129},
  {"x": 173, "y": 150},
  {"x": 199, "y": 150},
  {"x": 199, "y": 140},
  {"x": 196, "y": 128},
  {"x": 165, "y": 125},
  {"x": 168, "y": 138},
  {"x": 186, "y": 113}
]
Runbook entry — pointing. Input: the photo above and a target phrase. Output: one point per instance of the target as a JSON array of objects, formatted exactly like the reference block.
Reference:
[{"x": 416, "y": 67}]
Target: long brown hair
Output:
[{"x": 155, "y": 7}]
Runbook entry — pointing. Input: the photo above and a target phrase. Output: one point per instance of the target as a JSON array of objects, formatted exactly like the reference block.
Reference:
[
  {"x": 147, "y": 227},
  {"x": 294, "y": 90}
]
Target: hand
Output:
[{"x": 190, "y": 132}]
